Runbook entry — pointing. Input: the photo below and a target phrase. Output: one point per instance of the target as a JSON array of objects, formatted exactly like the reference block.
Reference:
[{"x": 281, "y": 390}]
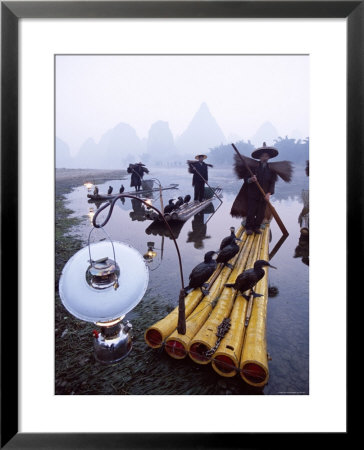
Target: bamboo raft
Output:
[
  {"x": 185, "y": 211},
  {"x": 242, "y": 349}
]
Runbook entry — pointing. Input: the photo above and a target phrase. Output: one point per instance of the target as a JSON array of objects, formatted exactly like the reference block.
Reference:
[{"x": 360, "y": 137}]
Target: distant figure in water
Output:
[
  {"x": 109, "y": 190},
  {"x": 187, "y": 198},
  {"x": 229, "y": 239},
  {"x": 199, "y": 169},
  {"x": 96, "y": 191},
  {"x": 202, "y": 273},
  {"x": 137, "y": 171},
  {"x": 249, "y": 278},
  {"x": 121, "y": 190}
]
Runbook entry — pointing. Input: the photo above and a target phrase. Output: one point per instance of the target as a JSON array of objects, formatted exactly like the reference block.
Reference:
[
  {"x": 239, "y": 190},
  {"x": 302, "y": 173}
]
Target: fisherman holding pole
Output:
[
  {"x": 137, "y": 171},
  {"x": 253, "y": 199},
  {"x": 199, "y": 169}
]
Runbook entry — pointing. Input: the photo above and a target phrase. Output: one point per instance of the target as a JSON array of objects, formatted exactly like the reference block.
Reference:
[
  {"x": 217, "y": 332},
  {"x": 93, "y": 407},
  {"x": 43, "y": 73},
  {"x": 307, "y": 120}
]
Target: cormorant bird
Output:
[
  {"x": 202, "y": 273},
  {"x": 96, "y": 191},
  {"x": 109, "y": 190},
  {"x": 229, "y": 239},
  {"x": 178, "y": 203},
  {"x": 187, "y": 198},
  {"x": 228, "y": 252},
  {"x": 249, "y": 278},
  {"x": 121, "y": 190},
  {"x": 170, "y": 207}
]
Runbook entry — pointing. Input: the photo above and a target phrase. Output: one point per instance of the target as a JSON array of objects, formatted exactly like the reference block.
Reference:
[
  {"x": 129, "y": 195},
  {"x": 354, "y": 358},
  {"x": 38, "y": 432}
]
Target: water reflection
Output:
[
  {"x": 154, "y": 255},
  {"x": 199, "y": 230},
  {"x": 160, "y": 229},
  {"x": 139, "y": 210}
]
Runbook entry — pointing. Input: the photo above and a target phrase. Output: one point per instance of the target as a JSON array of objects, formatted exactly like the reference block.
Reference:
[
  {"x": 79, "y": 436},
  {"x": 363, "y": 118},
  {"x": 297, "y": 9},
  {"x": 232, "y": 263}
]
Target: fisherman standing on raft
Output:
[
  {"x": 137, "y": 171},
  {"x": 250, "y": 202},
  {"x": 199, "y": 169}
]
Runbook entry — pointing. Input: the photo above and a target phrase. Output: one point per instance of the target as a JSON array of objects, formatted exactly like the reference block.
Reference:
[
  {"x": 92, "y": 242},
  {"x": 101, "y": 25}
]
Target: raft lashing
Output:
[{"x": 241, "y": 349}]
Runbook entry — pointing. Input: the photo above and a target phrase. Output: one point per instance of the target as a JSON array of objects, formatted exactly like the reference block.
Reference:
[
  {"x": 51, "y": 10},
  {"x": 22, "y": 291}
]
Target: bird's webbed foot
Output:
[
  {"x": 230, "y": 266},
  {"x": 254, "y": 294},
  {"x": 205, "y": 291},
  {"x": 246, "y": 297}
]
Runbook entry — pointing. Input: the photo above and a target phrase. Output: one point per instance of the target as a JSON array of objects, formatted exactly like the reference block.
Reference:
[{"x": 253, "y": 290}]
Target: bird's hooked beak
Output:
[{"x": 273, "y": 267}]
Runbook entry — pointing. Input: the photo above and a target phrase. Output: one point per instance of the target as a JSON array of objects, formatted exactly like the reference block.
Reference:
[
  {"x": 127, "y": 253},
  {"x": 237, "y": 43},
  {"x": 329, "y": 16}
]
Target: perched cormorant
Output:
[
  {"x": 249, "y": 278},
  {"x": 170, "y": 207},
  {"x": 121, "y": 190},
  {"x": 178, "y": 203},
  {"x": 228, "y": 252},
  {"x": 96, "y": 191},
  {"x": 109, "y": 190},
  {"x": 229, "y": 239},
  {"x": 202, "y": 273},
  {"x": 187, "y": 198}
]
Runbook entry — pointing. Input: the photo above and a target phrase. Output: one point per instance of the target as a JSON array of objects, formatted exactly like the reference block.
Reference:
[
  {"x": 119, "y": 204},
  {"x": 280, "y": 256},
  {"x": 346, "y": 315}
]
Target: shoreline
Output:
[{"x": 88, "y": 175}]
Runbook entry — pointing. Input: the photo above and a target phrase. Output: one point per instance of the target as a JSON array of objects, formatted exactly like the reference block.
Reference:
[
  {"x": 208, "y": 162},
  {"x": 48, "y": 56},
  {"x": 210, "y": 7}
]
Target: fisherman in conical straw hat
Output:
[
  {"x": 199, "y": 169},
  {"x": 250, "y": 202},
  {"x": 137, "y": 171}
]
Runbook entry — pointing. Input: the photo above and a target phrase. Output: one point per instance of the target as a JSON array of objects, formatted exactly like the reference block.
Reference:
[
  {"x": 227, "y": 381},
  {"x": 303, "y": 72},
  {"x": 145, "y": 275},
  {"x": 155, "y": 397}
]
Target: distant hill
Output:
[
  {"x": 63, "y": 156},
  {"x": 202, "y": 133},
  {"x": 160, "y": 143},
  {"x": 121, "y": 145},
  {"x": 265, "y": 133},
  {"x": 113, "y": 149}
]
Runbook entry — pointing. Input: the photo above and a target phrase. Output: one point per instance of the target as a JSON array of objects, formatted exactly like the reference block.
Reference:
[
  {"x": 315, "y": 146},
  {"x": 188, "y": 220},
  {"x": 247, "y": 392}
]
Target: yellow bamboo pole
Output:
[
  {"x": 176, "y": 345},
  {"x": 254, "y": 360},
  {"x": 156, "y": 334},
  {"x": 227, "y": 357},
  {"x": 206, "y": 337}
]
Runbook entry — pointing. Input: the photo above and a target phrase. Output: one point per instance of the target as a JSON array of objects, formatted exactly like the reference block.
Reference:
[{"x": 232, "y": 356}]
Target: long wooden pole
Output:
[{"x": 274, "y": 212}]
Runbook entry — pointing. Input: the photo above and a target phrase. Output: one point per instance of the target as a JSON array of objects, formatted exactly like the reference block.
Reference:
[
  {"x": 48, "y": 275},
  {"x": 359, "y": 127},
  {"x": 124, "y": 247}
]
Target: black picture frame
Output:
[{"x": 11, "y": 13}]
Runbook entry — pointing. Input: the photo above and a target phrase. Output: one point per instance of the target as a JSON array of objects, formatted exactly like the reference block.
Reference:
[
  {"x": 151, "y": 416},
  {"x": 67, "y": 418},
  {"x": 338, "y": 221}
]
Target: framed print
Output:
[{"x": 50, "y": 48}]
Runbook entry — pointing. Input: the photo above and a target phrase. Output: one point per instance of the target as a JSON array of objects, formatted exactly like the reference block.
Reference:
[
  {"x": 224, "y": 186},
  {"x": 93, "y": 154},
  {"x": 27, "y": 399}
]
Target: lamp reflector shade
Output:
[{"x": 101, "y": 305}]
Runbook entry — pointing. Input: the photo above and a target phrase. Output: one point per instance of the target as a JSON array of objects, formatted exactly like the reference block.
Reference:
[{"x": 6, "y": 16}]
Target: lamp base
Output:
[{"x": 113, "y": 343}]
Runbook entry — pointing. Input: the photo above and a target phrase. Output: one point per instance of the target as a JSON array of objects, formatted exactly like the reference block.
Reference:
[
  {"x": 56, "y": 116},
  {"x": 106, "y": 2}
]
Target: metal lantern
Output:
[
  {"x": 150, "y": 253},
  {"x": 102, "y": 289}
]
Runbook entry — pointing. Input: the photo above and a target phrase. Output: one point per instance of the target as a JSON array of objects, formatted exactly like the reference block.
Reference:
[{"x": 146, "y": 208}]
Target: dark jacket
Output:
[
  {"x": 201, "y": 169},
  {"x": 137, "y": 172},
  {"x": 266, "y": 178}
]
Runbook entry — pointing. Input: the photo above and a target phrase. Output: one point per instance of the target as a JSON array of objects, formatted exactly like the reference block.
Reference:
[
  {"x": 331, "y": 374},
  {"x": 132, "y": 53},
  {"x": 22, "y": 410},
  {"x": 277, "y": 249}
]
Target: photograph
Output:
[
  {"x": 182, "y": 224},
  {"x": 160, "y": 164}
]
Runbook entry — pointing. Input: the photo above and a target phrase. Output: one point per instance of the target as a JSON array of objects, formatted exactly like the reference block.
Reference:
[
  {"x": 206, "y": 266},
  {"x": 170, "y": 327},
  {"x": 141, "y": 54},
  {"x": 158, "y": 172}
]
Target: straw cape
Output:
[{"x": 283, "y": 169}]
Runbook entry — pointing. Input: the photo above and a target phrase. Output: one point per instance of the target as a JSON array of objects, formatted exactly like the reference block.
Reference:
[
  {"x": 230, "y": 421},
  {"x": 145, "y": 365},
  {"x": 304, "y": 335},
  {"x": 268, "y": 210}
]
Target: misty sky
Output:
[{"x": 95, "y": 93}]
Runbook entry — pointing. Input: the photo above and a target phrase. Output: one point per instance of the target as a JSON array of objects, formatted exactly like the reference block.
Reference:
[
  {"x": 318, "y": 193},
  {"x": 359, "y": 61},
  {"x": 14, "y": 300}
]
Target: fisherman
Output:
[
  {"x": 250, "y": 202},
  {"x": 137, "y": 171},
  {"x": 199, "y": 169}
]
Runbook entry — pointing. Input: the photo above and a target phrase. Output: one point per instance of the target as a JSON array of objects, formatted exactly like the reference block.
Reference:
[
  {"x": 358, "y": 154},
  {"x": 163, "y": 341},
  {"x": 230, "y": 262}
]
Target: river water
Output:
[{"x": 148, "y": 371}]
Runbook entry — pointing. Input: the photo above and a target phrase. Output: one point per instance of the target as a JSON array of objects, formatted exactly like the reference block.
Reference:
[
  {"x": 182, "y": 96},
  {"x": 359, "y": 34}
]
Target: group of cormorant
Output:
[
  {"x": 109, "y": 191},
  {"x": 179, "y": 202},
  {"x": 228, "y": 249}
]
